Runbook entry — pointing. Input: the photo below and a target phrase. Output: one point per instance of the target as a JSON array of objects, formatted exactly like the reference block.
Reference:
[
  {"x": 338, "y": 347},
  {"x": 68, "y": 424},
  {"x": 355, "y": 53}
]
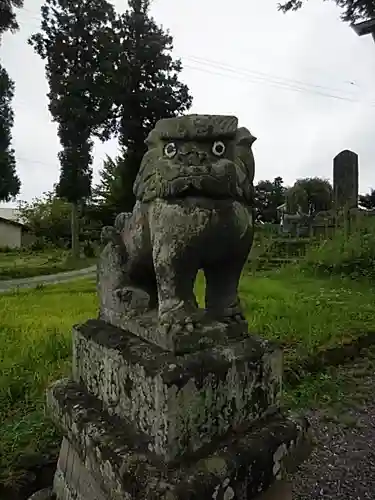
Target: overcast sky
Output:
[{"x": 303, "y": 83}]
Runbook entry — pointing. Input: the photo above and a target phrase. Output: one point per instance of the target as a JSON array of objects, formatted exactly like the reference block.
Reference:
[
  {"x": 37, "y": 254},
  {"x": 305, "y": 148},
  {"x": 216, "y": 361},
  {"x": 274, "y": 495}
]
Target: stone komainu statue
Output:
[{"x": 194, "y": 210}]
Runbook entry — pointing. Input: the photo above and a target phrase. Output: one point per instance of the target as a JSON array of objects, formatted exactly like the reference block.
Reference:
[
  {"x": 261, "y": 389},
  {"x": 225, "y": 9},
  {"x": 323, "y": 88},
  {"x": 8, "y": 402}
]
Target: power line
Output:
[
  {"x": 230, "y": 70},
  {"x": 350, "y": 81},
  {"x": 210, "y": 68},
  {"x": 28, "y": 160},
  {"x": 257, "y": 74},
  {"x": 264, "y": 77},
  {"x": 225, "y": 70},
  {"x": 257, "y": 77},
  {"x": 260, "y": 74}
]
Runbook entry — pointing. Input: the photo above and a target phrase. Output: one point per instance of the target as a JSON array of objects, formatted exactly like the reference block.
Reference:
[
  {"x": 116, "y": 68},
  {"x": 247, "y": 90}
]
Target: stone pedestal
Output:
[
  {"x": 140, "y": 422},
  {"x": 280, "y": 490}
]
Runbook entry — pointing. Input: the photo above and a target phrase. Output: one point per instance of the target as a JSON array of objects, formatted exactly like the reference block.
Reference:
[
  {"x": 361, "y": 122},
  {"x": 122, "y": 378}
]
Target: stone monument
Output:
[
  {"x": 169, "y": 401},
  {"x": 345, "y": 180}
]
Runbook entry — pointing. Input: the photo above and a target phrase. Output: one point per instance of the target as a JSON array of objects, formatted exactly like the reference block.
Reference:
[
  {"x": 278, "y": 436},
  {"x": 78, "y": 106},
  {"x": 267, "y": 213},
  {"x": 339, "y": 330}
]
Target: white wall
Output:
[
  {"x": 10, "y": 235},
  {"x": 9, "y": 213}
]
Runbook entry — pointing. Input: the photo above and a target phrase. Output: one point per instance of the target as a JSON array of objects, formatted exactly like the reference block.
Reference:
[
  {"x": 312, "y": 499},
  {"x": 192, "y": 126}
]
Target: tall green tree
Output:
[
  {"x": 353, "y": 10},
  {"x": 109, "y": 188},
  {"x": 9, "y": 181},
  {"x": 8, "y": 19},
  {"x": 146, "y": 87},
  {"x": 75, "y": 41},
  {"x": 104, "y": 203},
  {"x": 368, "y": 200},
  {"x": 48, "y": 217},
  {"x": 312, "y": 194},
  {"x": 268, "y": 196}
]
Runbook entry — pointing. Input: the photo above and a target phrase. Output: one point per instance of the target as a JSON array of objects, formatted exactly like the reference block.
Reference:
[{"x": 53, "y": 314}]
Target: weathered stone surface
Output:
[
  {"x": 190, "y": 127},
  {"x": 180, "y": 341},
  {"x": 194, "y": 211},
  {"x": 46, "y": 494},
  {"x": 169, "y": 401},
  {"x": 100, "y": 455},
  {"x": 180, "y": 402},
  {"x": 281, "y": 490},
  {"x": 74, "y": 481},
  {"x": 345, "y": 179}
]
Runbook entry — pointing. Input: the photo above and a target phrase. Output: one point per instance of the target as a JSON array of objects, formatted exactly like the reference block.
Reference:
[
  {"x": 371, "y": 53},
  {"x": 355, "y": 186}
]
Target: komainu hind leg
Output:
[
  {"x": 126, "y": 277},
  {"x": 111, "y": 271}
]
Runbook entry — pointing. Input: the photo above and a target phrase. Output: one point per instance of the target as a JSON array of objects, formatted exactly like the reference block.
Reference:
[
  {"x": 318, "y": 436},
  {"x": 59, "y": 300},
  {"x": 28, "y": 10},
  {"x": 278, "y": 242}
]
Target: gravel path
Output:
[
  {"x": 342, "y": 467},
  {"x": 49, "y": 279}
]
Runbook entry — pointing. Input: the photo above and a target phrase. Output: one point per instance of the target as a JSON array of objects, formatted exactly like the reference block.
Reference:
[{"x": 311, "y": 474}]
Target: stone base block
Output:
[
  {"x": 74, "y": 481},
  {"x": 146, "y": 326},
  {"x": 281, "y": 490},
  {"x": 181, "y": 402},
  {"x": 46, "y": 494},
  {"x": 101, "y": 458}
]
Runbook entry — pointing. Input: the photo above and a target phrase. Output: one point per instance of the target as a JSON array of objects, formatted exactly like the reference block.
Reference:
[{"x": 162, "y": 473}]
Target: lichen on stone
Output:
[{"x": 194, "y": 211}]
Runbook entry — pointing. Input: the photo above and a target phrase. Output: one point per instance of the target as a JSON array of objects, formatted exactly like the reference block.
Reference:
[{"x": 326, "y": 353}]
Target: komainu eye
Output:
[
  {"x": 170, "y": 150},
  {"x": 218, "y": 148}
]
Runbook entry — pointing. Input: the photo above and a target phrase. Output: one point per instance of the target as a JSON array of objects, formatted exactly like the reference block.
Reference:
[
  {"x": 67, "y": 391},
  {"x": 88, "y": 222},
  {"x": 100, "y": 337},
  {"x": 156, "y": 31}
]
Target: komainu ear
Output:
[
  {"x": 152, "y": 139},
  {"x": 244, "y": 137}
]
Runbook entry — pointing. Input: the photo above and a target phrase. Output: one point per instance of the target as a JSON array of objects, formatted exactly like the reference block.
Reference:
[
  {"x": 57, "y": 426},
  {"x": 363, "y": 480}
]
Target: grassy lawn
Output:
[
  {"x": 15, "y": 265},
  {"x": 337, "y": 392},
  {"x": 304, "y": 314}
]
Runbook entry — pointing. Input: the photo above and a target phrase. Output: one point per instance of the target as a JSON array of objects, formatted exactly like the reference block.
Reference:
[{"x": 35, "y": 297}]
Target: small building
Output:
[
  {"x": 10, "y": 213},
  {"x": 14, "y": 234}
]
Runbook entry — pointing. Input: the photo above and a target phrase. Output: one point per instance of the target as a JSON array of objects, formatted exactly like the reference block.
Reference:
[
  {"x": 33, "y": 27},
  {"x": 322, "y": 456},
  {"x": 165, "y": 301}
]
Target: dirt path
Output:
[
  {"x": 10, "y": 285},
  {"x": 342, "y": 467}
]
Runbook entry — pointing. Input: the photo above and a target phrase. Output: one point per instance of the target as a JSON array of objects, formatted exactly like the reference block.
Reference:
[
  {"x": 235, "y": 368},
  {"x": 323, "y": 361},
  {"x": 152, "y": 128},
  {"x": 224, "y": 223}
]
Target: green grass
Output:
[
  {"x": 35, "y": 350},
  {"x": 336, "y": 391},
  {"x": 305, "y": 314},
  {"x": 14, "y": 265},
  {"x": 350, "y": 252}
]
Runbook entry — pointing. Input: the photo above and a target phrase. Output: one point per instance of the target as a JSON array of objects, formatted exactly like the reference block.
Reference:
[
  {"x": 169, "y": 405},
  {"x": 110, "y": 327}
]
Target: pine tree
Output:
[
  {"x": 146, "y": 88},
  {"x": 75, "y": 40},
  {"x": 8, "y": 19},
  {"x": 268, "y": 196},
  {"x": 9, "y": 181},
  {"x": 353, "y": 10},
  {"x": 107, "y": 193}
]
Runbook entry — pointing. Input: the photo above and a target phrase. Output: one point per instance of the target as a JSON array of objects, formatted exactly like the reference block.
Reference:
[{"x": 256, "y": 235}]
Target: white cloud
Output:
[{"x": 239, "y": 57}]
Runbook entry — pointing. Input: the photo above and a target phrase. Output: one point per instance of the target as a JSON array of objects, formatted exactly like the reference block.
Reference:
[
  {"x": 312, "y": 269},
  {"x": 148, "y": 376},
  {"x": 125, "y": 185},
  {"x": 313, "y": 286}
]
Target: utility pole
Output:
[{"x": 365, "y": 28}]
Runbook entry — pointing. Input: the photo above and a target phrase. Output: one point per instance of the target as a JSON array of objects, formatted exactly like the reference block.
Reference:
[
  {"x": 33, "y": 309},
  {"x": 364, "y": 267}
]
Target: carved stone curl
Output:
[{"x": 194, "y": 210}]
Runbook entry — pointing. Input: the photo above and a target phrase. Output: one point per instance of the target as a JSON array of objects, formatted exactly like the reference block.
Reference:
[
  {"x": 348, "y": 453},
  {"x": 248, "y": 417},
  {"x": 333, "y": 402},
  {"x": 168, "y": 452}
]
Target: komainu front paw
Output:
[
  {"x": 231, "y": 314},
  {"x": 181, "y": 319}
]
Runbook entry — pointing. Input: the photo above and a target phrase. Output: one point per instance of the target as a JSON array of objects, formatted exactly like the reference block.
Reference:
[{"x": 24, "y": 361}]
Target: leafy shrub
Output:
[
  {"x": 7, "y": 250},
  {"x": 350, "y": 252}
]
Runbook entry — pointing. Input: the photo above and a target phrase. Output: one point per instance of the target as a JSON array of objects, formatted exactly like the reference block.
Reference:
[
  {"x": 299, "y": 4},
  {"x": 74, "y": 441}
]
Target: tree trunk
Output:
[{"x": 74, "y": 231}]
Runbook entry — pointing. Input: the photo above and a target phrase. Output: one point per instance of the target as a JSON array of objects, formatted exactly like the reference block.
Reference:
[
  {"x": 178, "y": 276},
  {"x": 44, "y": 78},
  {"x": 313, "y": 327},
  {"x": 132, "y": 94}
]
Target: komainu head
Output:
[{"x": 197, "y": 155}]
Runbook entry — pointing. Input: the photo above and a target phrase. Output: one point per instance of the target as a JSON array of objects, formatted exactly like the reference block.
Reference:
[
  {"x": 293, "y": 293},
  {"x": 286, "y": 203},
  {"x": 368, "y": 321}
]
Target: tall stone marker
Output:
[
  {"x": 345, "y": 179},
  {"x": 167, "y": 400}
]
